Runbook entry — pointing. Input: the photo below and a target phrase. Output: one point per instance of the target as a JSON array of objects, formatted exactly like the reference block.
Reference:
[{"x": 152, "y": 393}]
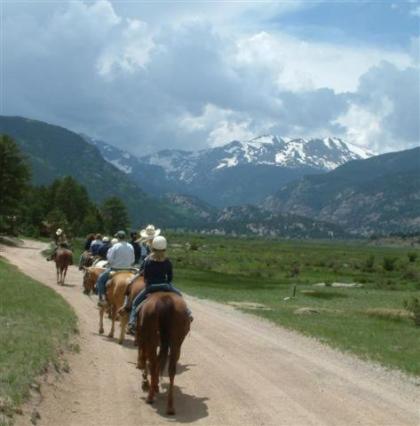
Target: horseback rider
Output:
[
  {"x": 60, "y": 240},
  {"x": 96, "y": 245},
  {"x": 145, "y": 245},
  {"x": 146, "y": 239},
  {"x": 103, "y": 249},
  {"x": 120, "y": 256},
  {"x": 136, "y": 246},
  {"x": 84, "y": 257},
  {"x": 158, "y": 275},
  {"x": 88, "y": 241}
]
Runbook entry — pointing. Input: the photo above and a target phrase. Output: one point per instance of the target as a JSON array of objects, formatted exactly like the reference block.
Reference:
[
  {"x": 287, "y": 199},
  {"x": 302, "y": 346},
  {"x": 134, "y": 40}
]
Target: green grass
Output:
[
  {"x": 35, "y": 322},
  {"x": 226, "y": 269}
]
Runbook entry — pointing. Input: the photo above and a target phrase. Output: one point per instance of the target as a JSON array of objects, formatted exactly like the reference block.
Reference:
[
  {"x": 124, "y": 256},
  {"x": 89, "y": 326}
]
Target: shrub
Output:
[
  {"x": 389, "y": 263},
  {"x": 411, "y": 275},
  {"x": 369, "y": 263},
  {"x": 413, "y": 306},
  {"x": 194, "y": 246},
  {"x": 412, "y": 256},
  {"x": 295, "y": 270}
]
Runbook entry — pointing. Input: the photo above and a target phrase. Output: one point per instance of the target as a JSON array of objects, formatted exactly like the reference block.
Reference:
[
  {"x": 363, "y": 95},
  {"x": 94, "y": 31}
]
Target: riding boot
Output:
[{"x": 126, "y": 307}]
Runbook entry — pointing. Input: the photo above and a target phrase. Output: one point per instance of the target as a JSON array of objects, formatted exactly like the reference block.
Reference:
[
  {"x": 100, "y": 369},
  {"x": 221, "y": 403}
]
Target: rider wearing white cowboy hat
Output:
[
  {"x": 146, "y": 237},
  {"x": 60, "y": 239},
  {"x": 148, "y": 233}
]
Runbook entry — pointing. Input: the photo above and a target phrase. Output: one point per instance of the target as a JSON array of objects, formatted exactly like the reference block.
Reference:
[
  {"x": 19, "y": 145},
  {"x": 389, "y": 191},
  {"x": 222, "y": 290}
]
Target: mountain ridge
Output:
[
  {"x": 233, "y": 174},
  {"x": 378, "y": 194}
]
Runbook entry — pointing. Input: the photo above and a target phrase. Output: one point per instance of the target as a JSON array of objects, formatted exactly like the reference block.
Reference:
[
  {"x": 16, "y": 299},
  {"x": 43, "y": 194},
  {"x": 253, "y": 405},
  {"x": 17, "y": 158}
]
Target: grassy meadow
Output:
[
  {"x": 369, "y": 321},
  {"x": 35, "y": 323}
]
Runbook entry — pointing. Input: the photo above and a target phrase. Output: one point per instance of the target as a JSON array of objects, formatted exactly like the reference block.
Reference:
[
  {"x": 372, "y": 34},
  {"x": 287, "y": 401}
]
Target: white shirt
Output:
[{"x": 121, "y": 255}]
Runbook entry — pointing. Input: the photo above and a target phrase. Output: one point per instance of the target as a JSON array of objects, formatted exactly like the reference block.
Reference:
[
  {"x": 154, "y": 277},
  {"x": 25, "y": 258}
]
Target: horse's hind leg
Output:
[
  {"x": 145, "y": 385},
  {"x": 64, "y": 274},
  {"x": 123, "y": 324},
  {"x": 173, "y": 358},
  {"x": 101, "y": 320},
  {"x": 113, "y": 316},
  {"x": 58, "y": 274},
  {"x": 154, "y": 374}
]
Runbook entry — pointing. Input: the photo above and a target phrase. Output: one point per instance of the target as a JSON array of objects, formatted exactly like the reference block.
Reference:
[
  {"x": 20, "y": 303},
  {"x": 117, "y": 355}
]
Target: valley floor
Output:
[{"x": 235, "y": 369}]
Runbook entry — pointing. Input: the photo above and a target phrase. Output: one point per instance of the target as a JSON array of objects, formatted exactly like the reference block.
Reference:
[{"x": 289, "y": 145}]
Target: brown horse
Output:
[
  {"x": 90, "y": 276},
  {"x": 115, "y": 293},
  {"x": 162, "y": 321},
  {"x": 86, "y": 260},
  {"x": 63, "y": 258}
]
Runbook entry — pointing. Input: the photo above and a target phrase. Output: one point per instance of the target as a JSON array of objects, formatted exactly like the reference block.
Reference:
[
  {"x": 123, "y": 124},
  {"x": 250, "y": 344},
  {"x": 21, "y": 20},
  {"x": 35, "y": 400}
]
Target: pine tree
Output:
[
  {"x": 115, "y": 215},
  {"x": 14, "y": 177}
]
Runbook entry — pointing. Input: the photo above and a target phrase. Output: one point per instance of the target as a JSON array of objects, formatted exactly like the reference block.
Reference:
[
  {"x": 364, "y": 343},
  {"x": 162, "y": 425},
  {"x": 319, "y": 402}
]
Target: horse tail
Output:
[{"x": 166, "y": 313}]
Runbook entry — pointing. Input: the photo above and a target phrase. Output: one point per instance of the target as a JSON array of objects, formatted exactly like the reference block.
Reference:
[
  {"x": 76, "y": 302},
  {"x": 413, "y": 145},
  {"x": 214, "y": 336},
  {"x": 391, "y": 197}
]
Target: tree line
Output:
[{"x": 39, "y": 210}]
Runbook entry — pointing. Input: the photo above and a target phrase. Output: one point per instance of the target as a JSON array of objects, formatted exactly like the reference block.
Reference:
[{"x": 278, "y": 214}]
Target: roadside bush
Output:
[
  {"x": 413, "y": 306},
  {"x": 389, "y": 263},
  {"x": 412, "y": 256}
]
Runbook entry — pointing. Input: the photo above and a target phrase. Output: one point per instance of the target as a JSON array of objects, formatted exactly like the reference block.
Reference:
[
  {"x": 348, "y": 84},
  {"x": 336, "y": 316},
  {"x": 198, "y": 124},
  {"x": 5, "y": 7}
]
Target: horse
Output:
[
  {"x": 115, "y": 293},
  {"x": 86, "y": 260},
  {"x": 162, "y": 322},
  {"x": 132, "y": 291},
  {"x": 63, "y": 258},
  {"x": 90, "y": 276}
]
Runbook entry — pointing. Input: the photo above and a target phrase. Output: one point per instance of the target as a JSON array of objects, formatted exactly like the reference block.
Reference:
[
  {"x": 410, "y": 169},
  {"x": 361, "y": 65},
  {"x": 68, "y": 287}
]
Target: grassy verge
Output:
[
  {"x": 35, "y": 323},
  {"x": 369, "y": 321}
]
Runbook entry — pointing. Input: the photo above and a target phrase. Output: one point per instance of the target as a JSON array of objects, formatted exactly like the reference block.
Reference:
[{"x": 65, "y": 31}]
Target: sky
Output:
[{"x": 152, "y": 75}]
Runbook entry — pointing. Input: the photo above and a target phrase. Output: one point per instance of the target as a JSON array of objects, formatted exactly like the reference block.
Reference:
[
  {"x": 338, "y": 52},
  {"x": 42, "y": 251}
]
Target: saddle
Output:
[
  {"x": 117, "y": 271},
  {"x": 154, "y": 288}
]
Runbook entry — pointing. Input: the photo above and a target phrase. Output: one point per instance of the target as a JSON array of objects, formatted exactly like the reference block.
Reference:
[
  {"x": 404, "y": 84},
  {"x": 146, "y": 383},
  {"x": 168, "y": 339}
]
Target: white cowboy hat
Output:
[
  {"x": 105, "y": 239},
  {"x": 59, "y": 231},
  {"x": 149, "y": 233},
  {"x": 114, "y": 241}
]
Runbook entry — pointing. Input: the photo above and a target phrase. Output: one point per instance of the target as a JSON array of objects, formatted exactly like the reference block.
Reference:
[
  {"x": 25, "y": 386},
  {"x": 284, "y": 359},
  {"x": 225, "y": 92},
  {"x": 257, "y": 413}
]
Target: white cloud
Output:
[
  {"x": 129, "y": 50},
  {"x": 220, "y": 125},
  {"x": 364, "y": 127},
  {"x": 415, "y": 11},
  {"x": 300, "y": 65}
]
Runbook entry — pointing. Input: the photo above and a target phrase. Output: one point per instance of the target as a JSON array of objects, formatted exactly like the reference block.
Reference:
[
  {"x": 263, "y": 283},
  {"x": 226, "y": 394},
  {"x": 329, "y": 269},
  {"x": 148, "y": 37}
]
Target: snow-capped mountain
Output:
[
  {"x": 236, "y": 173},
  {"x": 122, "y": 160},
  {"x": 321, "y": 154}
]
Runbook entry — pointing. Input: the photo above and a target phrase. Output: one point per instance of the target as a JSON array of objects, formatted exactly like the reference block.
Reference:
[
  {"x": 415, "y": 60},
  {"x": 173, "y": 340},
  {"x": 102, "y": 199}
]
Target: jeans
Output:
[
  {"x": 142, "y": 296},
  {"x": 101, "y": 283}
]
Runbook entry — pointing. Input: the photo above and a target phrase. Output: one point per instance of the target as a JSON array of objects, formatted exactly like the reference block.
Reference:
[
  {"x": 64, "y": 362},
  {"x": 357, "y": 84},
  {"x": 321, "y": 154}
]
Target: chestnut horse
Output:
[
  {"x": 162, "y": 322},
  {"x": 115, "y": 293},
  {"x": 63, "y": 258},
  {"x": 90, "y": 276}
]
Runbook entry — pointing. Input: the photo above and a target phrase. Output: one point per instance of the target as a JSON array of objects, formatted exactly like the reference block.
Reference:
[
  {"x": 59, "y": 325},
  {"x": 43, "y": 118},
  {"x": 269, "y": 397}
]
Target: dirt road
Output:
[{"x": 234, "y": 370}]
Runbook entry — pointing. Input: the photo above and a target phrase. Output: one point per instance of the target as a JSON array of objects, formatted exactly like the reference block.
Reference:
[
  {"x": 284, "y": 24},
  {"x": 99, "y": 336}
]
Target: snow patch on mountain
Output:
[{"x": 123, "y": 167}]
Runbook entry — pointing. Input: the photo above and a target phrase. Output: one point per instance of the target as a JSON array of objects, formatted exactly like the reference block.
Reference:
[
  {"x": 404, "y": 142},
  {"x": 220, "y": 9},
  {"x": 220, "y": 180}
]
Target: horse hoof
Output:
[
  {"x": 150, "y": 400},
  {"x": 111, "y": 335},
  {"x": 170, "y": 412},
  {"x": 145, "y": 386},
  {"x": 120, "y": 341},
  {"x": 101, "y": 331}
]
